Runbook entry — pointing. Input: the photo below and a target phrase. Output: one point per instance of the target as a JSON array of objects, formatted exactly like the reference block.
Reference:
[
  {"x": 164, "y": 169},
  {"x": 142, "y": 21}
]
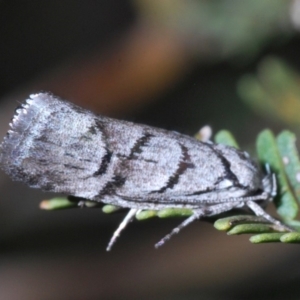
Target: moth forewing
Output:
[{"x": 60, "y": 147}]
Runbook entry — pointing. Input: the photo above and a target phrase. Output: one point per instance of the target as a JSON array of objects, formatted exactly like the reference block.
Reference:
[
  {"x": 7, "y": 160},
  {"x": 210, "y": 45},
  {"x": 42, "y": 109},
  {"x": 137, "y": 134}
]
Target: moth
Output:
[{"x": 59, "y": 147}]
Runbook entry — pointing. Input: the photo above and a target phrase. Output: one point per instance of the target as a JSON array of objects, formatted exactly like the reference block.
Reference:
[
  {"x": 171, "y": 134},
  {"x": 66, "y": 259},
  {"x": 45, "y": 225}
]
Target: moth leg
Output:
[
  {"x": 132, "y": 212},
  {"x": 177, "y": 229},
  {"x": 198, "y": 213},
  {"x": 260, "y": 212}
]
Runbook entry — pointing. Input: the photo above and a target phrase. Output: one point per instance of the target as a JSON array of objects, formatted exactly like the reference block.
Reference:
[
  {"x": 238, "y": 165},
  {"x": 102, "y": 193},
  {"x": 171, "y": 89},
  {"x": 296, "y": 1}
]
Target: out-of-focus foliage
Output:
[
  {"x": 210, "y": 27},
  {"x": 273, "y": 92}
]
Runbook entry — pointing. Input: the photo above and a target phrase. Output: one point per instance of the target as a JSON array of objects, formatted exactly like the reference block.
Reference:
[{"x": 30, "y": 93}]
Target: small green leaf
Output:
[
  {"x": 225, "y": 137},
  {"x": 90, "y": 204},
  {"x": 146, "y": 214},
  {"x": 229, "y": 222},
  {"x": 57, "y": 204},
  {"x": 174, "y": 212},
  {"x": 108, "y": 209},
  {"x": 266, "y": 238},
  {"x": 251, "y": 228},
  {"x": 268, "y": 153},
  {"x": 292, "y": 237}
]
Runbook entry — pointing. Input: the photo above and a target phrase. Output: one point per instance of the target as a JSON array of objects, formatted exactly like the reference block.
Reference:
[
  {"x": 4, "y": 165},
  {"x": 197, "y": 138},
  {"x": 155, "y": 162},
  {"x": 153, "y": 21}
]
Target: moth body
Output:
[{"x": 59, "y": 147}]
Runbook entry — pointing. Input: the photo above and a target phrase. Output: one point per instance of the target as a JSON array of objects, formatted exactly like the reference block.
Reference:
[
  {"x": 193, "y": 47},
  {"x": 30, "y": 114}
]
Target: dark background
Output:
[{"x": 160, "y": 65}]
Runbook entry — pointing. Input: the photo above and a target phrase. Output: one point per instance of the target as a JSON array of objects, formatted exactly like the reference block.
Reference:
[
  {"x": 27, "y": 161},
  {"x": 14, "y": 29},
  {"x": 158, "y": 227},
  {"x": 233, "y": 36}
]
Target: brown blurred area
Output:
[{"x": 163, "y": 63}]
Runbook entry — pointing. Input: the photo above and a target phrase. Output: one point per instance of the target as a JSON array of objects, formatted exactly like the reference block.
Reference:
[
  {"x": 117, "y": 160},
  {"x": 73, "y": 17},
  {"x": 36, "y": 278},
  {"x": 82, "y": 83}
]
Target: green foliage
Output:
[
  {"x": 282, "y": 156},
  {"x": 286, "y": 143},
  {"x": 57, "y": 204},
  {"x": 225, "y": 137},
  {"x": 268, "y": 153}
]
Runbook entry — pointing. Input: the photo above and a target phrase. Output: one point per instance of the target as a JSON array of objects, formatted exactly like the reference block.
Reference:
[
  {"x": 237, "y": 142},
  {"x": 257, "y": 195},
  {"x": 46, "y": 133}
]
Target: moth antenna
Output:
[
  {"x": 122, "y": 226},
  {"x": 177, "y": 230}
]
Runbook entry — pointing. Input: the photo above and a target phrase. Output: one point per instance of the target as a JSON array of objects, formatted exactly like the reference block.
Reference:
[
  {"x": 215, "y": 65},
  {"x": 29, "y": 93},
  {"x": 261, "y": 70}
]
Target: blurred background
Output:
[{"x": 179, "y": 65}]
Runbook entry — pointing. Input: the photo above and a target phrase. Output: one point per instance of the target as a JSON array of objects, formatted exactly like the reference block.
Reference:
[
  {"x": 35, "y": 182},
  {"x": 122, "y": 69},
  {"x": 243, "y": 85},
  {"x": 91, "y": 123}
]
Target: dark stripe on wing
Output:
[
  {"x": 104, "y": 164},
  {"x": 137, "y": 147},
  {"x": 184, "y": 164},
  {"x": 110, "y": 187}
]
